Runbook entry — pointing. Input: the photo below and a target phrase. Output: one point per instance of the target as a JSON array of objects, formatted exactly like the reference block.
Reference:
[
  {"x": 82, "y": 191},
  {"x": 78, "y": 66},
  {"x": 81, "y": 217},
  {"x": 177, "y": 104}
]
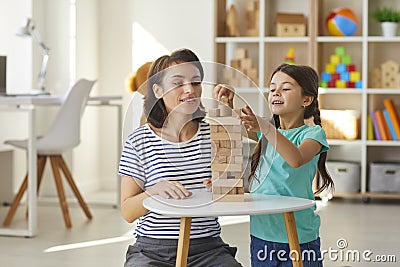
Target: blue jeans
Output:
[{"x": 265, "y": 253}]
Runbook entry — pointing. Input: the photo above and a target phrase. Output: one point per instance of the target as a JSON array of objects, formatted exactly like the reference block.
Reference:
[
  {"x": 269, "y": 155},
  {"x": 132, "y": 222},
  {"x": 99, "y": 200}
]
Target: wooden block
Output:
[
  {"x": 240, "y": 190},
  {"x": 214, "y": 128},
  {"x": 215, "y": 175},
  {"x": 235, "y": 63},
  {"x": 238, "y": 144},
  {"x": 222, "y": 159},
  {"x": 232, "y": 23},
  {"x": 246, "y": 64},
  {"x": 228, "y": 183},
  {"x": 240, "y": 53},
  {"x": 228, "y": 198},
  {"x": 223, "y": 175},
  {"x": 224, "y": 121},
  {"x": 238, "y": 159},
  {"x": 225, "y": 111},
  {"x": 252, "y": 74},
  {"x": 229, "y": 151},
  {"x": 237, "y": 111},
  {"x": 214, "y": 112},
  {"x": 235, "y": 175},
  {"x": 226, "y": 167},
  {"x": 226, "y": 136}
]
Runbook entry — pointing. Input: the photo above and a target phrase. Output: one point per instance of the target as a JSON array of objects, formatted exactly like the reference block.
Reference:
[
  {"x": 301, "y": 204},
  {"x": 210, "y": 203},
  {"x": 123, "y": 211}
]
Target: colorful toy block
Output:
[
  {"x": 346, "y": 59},
  {"x": 334, "y": 59},
  {"x": 339, "y": 71},
  {"x": 340, "y": 67},
  {"x": 330, "y": 68},
  {"x": 340, "y": 51},
  {"x": 325, "y": 76}
]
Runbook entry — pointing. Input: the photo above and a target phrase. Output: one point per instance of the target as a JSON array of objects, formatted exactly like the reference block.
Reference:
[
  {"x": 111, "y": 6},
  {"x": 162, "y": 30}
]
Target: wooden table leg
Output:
[
  {"x": 293, "y": 238},
  {"x": 183, "y": 242}
]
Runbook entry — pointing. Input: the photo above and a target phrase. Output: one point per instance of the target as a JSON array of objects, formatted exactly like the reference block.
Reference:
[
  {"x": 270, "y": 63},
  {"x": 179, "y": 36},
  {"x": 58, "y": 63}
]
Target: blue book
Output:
[{"x": 390, "y": 125}]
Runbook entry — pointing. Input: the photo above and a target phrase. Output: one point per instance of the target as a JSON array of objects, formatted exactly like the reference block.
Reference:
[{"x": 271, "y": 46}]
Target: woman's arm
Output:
[{"x": 132, "y": 195}]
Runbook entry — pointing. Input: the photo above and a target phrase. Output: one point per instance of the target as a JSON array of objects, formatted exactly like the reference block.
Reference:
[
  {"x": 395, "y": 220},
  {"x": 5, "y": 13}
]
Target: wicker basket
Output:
[{"x": 341, "y": 124}]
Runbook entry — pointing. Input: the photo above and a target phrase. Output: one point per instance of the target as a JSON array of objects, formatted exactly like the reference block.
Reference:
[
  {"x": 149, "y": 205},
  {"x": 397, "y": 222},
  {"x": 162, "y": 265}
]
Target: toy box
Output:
[
  {"x": 384, "y": 177},
  {"x": 345, "y": 175}
]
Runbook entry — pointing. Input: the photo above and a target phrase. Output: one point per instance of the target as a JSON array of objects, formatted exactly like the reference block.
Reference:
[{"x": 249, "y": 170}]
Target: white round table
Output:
[{"x": 200, "y": 204}]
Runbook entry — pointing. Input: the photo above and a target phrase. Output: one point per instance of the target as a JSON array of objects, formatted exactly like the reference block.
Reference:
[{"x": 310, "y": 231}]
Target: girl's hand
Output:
[
  {"x": 208, "y": 184},
  {"x": 169, "y": 189},
  {"x": 254, "y": 123},
  {"x": 224, "y": 90}
]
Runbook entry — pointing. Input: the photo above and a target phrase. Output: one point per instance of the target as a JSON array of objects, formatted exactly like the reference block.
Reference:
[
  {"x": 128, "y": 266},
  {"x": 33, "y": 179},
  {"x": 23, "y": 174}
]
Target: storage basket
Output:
[
  {"x": 384, "y": 177},
  {"x": 341, "y": 124},
  {"x": 345, "y": 175}
]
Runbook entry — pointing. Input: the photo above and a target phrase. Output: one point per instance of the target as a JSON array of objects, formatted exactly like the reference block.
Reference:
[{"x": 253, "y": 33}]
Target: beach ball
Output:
[{"x": 341, "y": 22}]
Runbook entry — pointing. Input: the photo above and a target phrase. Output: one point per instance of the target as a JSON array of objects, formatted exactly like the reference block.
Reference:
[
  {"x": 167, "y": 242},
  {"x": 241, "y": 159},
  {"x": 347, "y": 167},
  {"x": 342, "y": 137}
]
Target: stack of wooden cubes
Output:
[
  {"x": 242, "y": 72},
  {"x": 227, "y": 155},
  {"x": 385, "y": 76}
]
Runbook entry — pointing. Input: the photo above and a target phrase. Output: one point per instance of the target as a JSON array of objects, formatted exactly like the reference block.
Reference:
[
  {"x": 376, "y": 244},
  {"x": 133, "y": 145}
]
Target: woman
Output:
[{"x": 170, "y": 156}]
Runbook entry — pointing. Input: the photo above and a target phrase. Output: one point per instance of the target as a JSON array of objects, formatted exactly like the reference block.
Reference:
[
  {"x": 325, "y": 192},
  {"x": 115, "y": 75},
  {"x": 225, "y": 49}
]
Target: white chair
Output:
[
  {"x": 64, "y": 134},
  {"x": 134, "y": 116}
]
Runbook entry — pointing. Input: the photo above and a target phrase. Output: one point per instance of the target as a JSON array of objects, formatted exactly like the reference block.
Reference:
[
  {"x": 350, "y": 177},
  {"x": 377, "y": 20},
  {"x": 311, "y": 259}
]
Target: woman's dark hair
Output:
[
  {"x": 307, "y": 78},
  {"x": 154, "y": 107}
]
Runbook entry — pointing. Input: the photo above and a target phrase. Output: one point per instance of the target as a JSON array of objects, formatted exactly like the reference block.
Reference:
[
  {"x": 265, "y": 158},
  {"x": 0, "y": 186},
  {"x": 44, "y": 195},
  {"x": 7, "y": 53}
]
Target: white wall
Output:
[
  {"x": 173, "y": 24},
  {"x": 103, "y": 52},
  {"x": 19, "y": 72}
]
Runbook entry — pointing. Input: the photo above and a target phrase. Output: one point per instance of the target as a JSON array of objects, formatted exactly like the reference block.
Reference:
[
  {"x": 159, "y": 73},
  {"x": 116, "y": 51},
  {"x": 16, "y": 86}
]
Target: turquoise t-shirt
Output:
[{"x": 274, "y": 176}]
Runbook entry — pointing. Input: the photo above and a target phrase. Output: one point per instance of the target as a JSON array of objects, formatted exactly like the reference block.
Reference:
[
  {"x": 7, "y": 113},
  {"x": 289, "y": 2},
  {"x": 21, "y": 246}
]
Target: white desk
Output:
[
  {"x": 200, "y": 204},
  {"x": 29, "y": 104}
]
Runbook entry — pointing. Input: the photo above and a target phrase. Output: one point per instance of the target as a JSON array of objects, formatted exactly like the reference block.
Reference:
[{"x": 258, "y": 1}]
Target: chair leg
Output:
[
  {"x": 74, "y": 188},
  {"x": 17, "y": 200},
  {"x": 60, "y": 191}
]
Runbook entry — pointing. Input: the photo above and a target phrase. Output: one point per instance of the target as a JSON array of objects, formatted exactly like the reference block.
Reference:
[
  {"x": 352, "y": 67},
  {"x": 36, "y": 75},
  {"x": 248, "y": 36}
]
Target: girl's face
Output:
[
  {"x": 286, "y": 96},
  {"x": 181, "y": 88}
]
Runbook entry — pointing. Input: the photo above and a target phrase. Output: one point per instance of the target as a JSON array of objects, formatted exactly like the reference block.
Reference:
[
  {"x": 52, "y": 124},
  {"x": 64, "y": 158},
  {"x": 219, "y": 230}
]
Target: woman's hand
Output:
[
  {"x": 224, "y": 91},
  {"x": 169, "y": 189},
  {"x": 254, "y": 123},
  {"x": 208, "y": 184}
]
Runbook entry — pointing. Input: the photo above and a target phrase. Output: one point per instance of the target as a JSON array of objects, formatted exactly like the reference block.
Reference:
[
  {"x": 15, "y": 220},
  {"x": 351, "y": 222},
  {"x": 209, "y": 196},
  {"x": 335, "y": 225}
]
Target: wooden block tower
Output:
[{"x": 227, "y": 155}]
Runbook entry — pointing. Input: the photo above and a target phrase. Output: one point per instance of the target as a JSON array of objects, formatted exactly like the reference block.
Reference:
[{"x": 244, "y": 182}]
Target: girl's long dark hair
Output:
[{"x": 307, "y": 78}]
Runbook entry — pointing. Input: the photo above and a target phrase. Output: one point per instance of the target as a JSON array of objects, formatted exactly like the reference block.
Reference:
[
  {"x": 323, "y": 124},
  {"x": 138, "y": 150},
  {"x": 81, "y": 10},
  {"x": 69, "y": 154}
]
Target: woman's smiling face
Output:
[{"x": 181, "y": 88}]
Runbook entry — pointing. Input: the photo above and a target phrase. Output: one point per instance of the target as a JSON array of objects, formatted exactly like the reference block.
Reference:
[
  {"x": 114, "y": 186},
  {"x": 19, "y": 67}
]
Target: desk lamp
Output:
[{"x": 28, "y": 29}]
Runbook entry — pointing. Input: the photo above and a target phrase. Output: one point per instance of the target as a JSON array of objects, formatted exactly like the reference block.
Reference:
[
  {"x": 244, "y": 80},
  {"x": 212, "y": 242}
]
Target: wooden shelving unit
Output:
[{"x": 367, "y": 48}]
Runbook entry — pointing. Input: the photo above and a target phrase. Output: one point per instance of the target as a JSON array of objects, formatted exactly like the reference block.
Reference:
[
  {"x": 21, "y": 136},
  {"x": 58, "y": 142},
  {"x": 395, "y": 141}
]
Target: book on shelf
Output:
[
  {"x": 377, "y": 132},
  {"x": 370, "y": 128},
  {"x": 393, "y": 118},
  {"x": 390, "y": 125},
  {"x": 383, "y": 129}
]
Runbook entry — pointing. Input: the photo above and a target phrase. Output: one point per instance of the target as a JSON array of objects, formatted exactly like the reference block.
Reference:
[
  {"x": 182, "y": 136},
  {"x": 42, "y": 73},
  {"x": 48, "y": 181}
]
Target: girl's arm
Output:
[
  {"x": 132, "y": 195},
  {"x": 293, "y": 155}
]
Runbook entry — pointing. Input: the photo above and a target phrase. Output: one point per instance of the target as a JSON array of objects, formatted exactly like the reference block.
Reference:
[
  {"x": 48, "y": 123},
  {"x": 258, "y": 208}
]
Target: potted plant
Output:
[{"x": 389, "y": 18}]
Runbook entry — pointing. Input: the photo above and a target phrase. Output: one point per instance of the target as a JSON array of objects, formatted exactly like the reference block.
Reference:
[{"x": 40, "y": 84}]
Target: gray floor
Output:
[{"x": 103, "y": 241}]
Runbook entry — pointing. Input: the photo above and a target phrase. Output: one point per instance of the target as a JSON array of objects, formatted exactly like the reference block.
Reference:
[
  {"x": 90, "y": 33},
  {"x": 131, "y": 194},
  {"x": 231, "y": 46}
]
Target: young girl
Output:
[
  {"x": 170, "y": 156},
  {"x": 301, "y": 153}
]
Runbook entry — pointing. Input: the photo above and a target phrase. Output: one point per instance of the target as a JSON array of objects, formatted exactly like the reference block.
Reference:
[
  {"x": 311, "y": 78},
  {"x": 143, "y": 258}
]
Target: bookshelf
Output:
[{"x": 367, "y": 48}]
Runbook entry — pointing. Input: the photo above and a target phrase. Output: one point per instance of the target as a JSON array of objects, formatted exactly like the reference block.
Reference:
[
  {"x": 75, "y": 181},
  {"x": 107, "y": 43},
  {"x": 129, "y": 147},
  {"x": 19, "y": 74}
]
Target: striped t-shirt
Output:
[{"x": 148, "y": 158}]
